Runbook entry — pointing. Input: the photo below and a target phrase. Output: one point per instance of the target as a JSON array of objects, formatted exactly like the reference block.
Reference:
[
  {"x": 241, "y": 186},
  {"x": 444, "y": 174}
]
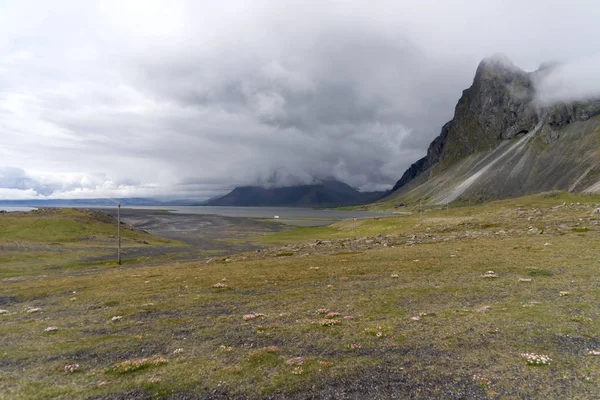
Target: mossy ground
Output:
[
  {"x": 32, "y": 242},
  {"x": 466, "y": 342}
]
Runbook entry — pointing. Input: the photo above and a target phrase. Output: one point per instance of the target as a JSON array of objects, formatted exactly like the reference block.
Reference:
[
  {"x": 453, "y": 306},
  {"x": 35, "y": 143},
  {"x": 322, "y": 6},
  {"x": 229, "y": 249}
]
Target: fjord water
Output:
[
  {"x": 287, "y": 215},
  {"x": 13, "y": 209}
]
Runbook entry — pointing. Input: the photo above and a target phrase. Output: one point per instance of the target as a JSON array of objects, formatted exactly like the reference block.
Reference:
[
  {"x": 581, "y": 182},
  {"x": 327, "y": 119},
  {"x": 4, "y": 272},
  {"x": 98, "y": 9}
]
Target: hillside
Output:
[
  {"x": 325, "y": 193},
  {"x": 501, "y": 143}
]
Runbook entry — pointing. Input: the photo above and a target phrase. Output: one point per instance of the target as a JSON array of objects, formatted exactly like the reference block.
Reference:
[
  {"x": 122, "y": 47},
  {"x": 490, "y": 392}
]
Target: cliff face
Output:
[{"x": 498, "y": 109}]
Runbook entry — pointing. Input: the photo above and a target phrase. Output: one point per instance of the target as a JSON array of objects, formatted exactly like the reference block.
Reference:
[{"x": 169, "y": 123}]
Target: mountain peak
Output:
[
  {"x": 476, "y": 150},
  {"x": 498, "y": 60},
  {"x": 498, "y": 66}
]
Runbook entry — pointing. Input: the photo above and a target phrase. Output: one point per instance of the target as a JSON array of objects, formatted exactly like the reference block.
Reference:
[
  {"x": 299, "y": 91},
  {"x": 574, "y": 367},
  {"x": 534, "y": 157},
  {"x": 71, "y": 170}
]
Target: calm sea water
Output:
[
  {"x": 287, "y": 215},
  {"x": 11, "y": 209}
]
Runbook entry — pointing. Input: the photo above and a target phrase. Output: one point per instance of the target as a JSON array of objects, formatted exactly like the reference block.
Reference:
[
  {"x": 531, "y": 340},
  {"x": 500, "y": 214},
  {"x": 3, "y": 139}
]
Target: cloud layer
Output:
[{"x": 191, "y": 98}]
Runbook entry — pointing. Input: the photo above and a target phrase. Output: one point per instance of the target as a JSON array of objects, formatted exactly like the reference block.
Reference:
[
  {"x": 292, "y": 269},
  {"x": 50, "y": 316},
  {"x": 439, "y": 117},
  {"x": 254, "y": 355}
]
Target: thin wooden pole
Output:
[{"x": 119, "y": 233}]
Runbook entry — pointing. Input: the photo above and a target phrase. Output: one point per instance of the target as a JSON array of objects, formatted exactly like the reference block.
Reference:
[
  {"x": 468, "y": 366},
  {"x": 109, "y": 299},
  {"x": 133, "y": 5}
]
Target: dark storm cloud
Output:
[{"x": 190, "y": 98}]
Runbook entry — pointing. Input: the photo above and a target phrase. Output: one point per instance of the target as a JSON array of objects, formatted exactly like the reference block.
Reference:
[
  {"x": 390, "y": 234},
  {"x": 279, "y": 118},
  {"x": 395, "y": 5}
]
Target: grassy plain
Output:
[
  {"x": 34, "y": 242},
  {"x": 425, "y": 321}
]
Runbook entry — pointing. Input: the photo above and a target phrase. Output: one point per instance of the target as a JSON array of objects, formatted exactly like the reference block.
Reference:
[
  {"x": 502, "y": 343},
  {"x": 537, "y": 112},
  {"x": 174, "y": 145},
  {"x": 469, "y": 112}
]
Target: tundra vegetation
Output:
[{"x": 497, "y": 300}]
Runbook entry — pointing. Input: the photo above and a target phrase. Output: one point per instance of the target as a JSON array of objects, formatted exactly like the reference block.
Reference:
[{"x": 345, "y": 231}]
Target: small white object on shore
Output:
[{"x": 276, "y": 217}]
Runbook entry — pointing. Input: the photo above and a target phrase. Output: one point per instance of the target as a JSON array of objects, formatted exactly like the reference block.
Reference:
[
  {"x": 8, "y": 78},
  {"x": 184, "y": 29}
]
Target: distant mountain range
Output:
[{"x": 329, "y": 193}]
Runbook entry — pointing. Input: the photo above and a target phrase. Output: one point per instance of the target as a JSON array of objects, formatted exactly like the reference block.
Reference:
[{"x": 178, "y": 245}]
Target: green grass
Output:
[
  {"x": 61, "y": 226},
  {"x": 64, "y": 239},
  {"x": 468, "y": 325},
  {"x": 537, "y": 200}
]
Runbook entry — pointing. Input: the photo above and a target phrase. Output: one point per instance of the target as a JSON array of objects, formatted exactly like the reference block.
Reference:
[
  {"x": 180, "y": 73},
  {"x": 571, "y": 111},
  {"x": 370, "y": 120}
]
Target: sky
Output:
[{"x": 188, "y": 99}]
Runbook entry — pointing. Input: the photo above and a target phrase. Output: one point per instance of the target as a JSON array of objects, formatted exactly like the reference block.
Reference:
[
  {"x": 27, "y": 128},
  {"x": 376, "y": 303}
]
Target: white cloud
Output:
[
  {"x": 190, "y": 98},
  {"x": 574, "y": 80}
]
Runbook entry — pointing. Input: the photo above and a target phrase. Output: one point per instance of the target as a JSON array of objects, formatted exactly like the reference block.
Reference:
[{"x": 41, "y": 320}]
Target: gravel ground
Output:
[{"x": 199, "y": 232}]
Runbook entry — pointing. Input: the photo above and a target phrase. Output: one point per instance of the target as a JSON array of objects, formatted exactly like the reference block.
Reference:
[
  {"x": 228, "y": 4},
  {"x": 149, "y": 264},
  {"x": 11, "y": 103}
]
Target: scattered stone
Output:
[
  {"x": 524, "y": 279},
  {"x": 483, "y": 309},
  {"x": 489, "y": 274},
  {"x": 295, "y": 361},
  {"x": 116, "y": 318},
  {"x": 33, "y": 309},
  {"x": 394, "y": 276},
  {"x": 247, "y": 317},
  {"x": 561, "y": 294},
  {"x": 4, "y": 311},
  {"x": 177, "y": 351},
  {"x": 416, "y": 318},
  {"x": 71, "y": 368},
  {"x": 51, "y": 329}
]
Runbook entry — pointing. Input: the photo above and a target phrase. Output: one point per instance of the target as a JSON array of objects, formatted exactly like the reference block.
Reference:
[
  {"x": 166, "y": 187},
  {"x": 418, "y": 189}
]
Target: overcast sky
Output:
[{"x": 187, "y": 99}]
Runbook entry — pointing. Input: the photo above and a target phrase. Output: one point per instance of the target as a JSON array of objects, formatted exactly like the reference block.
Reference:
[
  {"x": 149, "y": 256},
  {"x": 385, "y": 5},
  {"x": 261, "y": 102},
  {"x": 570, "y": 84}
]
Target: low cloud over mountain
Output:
[{"x": 192, "y": 98}]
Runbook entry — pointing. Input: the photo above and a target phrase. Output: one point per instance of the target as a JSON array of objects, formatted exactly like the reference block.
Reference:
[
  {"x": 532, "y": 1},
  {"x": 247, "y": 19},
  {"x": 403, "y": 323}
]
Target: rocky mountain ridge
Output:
[{"x": 500, "y": 107}]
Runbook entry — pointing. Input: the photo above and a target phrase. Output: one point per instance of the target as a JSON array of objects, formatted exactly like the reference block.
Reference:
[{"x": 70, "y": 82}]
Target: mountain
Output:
[
  {"x": 326, "y": 193},
  {"x": 501, "y": 142}
]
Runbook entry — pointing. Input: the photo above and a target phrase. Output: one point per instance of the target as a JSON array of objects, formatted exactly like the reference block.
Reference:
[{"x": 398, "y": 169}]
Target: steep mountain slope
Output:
[
  {"x": 502, "y": 143},
  {"x": 326, "y": 193}
]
